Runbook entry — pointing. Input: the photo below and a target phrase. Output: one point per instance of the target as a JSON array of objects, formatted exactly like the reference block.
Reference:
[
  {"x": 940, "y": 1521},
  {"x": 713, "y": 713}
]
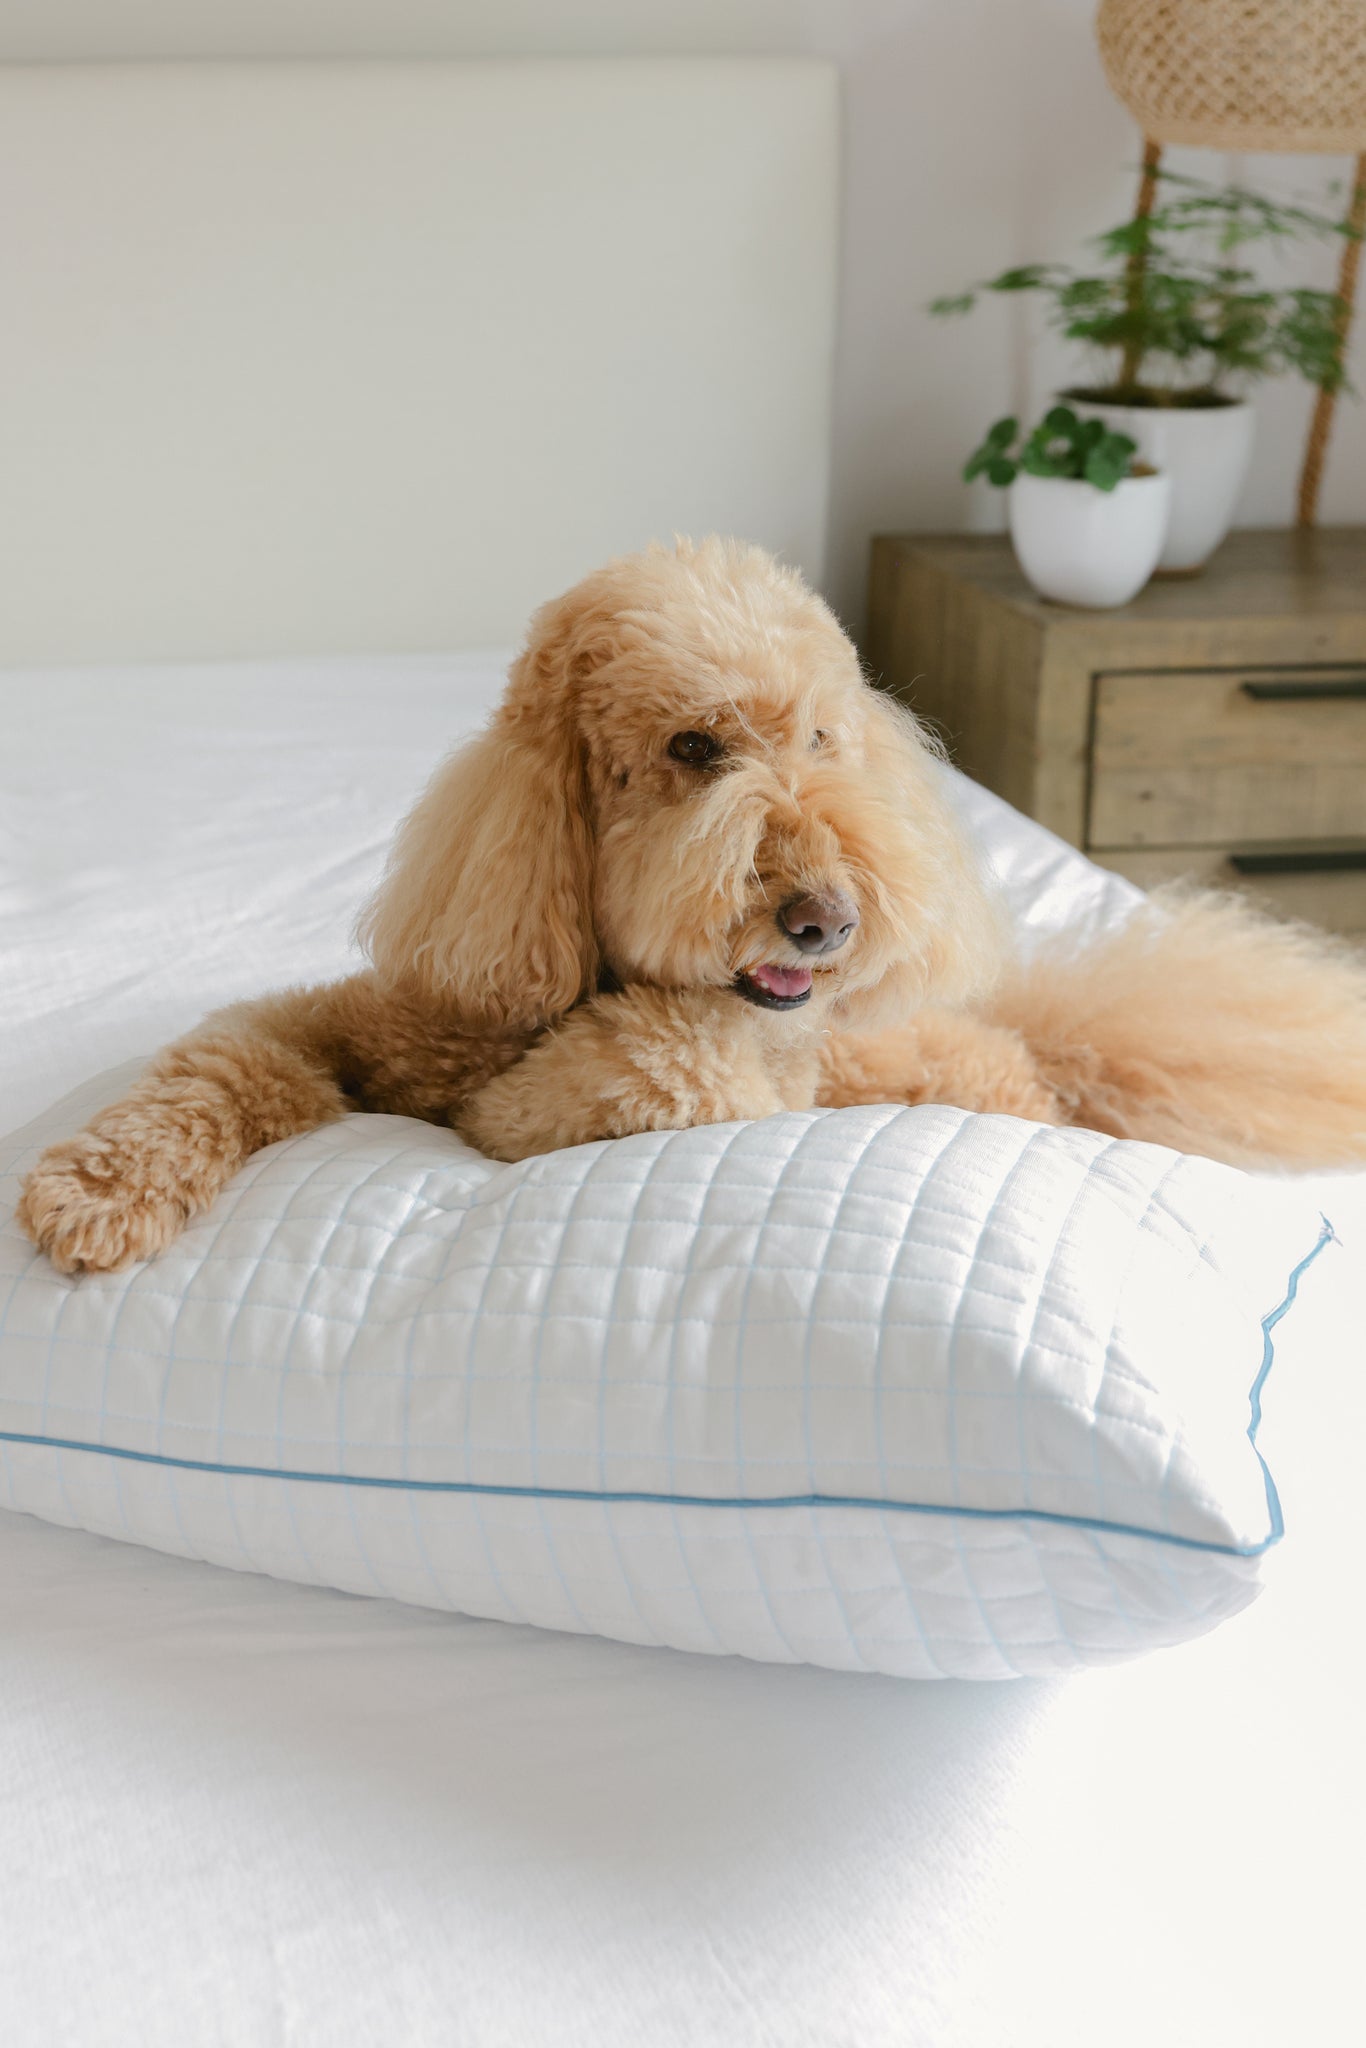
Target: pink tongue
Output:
[{"x": 782, "y": 981}]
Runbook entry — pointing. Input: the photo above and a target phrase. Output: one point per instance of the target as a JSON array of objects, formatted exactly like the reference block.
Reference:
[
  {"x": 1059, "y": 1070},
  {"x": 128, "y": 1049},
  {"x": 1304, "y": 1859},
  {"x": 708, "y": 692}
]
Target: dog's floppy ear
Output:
[
  {"x": 954, "y": 940},
  {"x": 486, "y": 906}
]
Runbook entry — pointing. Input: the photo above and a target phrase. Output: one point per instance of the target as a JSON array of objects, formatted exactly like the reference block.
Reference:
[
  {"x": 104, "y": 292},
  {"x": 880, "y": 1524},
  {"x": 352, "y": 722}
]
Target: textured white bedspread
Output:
[{"x": 236, "y": 1811}]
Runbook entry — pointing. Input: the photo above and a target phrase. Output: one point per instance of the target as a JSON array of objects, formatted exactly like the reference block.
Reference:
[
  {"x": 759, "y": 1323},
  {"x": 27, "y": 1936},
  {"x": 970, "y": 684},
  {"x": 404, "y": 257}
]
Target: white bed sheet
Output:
[{"x": 237, "y": 1811}]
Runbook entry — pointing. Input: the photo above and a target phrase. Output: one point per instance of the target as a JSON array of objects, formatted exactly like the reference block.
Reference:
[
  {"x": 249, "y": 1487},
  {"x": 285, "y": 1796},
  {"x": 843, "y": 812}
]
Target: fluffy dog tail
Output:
[{"x": 1203, "y": 1025}]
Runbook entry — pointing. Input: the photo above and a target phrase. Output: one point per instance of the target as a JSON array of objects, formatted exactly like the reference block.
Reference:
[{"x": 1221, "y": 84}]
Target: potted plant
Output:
[
  {"x": 1086, "y": 521},
  {"x": 1183, "y": 326}
]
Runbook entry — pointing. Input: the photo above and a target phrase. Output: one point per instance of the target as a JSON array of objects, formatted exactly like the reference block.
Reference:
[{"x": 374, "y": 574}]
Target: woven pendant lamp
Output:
[{"x": 1249, "y": 75}]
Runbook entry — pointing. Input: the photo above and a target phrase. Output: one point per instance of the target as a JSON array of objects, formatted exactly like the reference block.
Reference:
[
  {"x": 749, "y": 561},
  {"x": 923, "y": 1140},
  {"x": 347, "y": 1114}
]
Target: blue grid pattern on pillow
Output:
[{"x": 903, "y": 1390}]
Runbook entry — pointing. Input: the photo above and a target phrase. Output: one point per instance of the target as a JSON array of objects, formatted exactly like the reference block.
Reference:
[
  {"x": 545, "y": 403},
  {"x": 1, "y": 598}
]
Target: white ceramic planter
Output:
[
  {"x": 1088, "y": 547},
  {"x": 1204, "y": 450}
]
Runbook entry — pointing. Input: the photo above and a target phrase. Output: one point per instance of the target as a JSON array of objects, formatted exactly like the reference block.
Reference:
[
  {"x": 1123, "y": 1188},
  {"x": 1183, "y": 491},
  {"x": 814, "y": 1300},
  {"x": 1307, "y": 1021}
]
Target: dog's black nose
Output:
[{"x": 819, "y": 924}]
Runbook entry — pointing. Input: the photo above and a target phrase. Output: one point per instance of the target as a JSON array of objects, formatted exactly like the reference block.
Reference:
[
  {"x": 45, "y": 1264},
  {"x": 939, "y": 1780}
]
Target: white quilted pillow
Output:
[{"x": 909, "y": 1391}]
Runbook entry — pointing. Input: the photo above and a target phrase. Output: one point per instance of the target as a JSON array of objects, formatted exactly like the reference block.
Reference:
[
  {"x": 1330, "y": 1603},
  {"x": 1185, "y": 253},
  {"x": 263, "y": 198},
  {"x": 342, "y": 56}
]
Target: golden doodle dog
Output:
[{"x": 696, "y": 869}]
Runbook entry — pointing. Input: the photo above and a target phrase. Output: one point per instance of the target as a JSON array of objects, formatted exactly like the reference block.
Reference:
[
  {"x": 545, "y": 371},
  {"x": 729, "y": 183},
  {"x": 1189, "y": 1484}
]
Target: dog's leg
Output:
[
  {"x": 1204, "y": 1026},
  {"x": 938, "y": 1056},
  {"x": 646, "y": 1059},
  {"x": 125, "y": 1186},
  {"x": 1200, "y": 1024}
]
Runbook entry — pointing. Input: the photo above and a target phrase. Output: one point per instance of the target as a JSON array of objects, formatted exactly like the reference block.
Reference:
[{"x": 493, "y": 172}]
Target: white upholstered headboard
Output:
[{"x": 344, "y": 357}]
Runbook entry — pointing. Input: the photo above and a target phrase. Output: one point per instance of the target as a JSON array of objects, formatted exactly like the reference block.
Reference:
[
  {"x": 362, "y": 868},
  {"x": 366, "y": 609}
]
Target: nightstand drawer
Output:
[
  {"x": 1201, "y": 757},
  {"x": 1323, "y": 882}
]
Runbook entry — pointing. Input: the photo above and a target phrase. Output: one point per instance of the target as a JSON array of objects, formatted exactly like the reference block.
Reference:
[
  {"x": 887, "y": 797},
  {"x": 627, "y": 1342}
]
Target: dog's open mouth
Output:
[{"x": 775, "y": 988}]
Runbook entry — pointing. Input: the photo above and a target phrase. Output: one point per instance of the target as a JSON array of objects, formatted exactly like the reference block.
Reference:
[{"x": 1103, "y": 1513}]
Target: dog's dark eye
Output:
[
  {"x": 819, "y": 738},
  {"x": 694, "y": 749}
]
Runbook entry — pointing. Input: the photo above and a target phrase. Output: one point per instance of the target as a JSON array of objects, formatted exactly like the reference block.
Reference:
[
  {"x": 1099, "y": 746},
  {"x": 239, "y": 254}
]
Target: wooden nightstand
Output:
[{"x": 1216, "y": 727}]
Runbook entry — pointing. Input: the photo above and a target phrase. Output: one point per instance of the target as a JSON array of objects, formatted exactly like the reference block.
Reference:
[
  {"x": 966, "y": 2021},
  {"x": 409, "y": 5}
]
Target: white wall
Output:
[{"x": 978, "y": 133}]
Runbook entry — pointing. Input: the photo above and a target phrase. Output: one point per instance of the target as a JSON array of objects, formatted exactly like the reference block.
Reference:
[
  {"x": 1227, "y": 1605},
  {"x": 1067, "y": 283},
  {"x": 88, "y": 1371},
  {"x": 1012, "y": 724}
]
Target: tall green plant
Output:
[{"x": 1174, "y": 299}]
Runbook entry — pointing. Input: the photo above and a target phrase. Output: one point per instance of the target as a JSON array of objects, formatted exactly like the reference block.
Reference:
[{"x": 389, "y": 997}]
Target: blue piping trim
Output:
[
  {"x": 788, "y": 1500},
  {"x": 1327, "y": 1235}
]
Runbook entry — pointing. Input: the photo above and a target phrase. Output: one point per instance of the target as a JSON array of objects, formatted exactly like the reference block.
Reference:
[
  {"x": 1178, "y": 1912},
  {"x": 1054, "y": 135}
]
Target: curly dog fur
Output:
[{"x": 697, "y": 870}]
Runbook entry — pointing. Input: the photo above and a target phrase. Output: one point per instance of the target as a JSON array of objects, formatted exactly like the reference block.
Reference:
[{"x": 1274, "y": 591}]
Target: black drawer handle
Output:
[
  {"x": 1291, "y": 691},
  {"x": 1323, "y": 860}
]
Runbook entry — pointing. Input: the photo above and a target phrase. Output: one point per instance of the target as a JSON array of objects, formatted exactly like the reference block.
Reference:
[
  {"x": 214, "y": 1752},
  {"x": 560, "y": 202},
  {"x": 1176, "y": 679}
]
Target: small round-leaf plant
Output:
[{"x": 1086, "y": 451}]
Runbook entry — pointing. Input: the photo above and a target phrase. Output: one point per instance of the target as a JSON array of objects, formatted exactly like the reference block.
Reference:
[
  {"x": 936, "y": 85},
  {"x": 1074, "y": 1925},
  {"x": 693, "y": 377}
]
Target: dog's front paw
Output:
[
  {"x": 87, "y": 1216},
  {"x": 510, "y": 1120},
  {"x": 644, "y": 1059}
]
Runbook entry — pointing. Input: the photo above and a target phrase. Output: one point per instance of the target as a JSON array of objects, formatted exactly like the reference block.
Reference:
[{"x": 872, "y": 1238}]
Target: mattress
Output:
[{"x": 240, "y": 1811}]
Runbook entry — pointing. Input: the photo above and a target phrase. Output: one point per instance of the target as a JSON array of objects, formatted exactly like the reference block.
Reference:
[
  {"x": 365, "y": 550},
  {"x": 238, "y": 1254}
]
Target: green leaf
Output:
[
  {"x": 1000, "y": 471},
  {"x": 1107, "y": 464},
  {"x": 1026, "y": 277},
  {"x": 1062, "y": 420},
  {"x": 991, "y": 449},
  {"x": 960, "y": 302},
  {"x": 1103, "y": 471},
  {"x": 1036, "y": 461}
]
